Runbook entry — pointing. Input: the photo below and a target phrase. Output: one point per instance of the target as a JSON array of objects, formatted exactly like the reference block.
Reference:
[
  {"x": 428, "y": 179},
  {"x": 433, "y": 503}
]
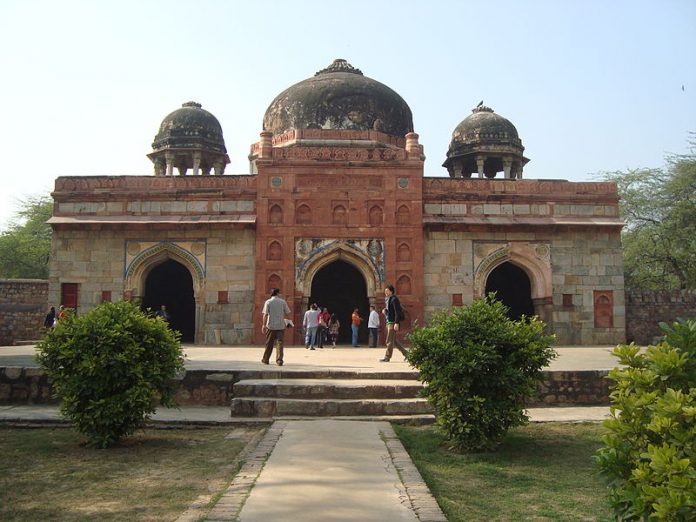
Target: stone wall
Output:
[
  {"x": 214, "y": 387},
  {"x": 645, "y": 309},
  {"x": 221, "y": 260},
  {"x": 579, "y": 263},
  {"x": 23, "y": 307}
]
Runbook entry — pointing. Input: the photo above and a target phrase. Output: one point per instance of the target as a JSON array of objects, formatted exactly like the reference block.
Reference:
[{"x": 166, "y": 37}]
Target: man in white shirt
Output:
[
  {"x": 273, "y": 325},
  {"x": 311, "y": 324},
  {"x": 373, "y": 326}
]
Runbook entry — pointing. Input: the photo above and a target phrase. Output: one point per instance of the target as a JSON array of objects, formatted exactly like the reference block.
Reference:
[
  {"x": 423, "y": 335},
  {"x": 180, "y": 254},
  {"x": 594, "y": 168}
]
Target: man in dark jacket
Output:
[{"x": 394, "y": 314}]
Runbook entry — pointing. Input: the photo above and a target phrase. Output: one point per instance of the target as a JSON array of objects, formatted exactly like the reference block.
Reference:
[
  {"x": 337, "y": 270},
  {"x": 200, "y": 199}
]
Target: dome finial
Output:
[
  {"x": 339, "y": 65},
  {"x": 481, "y": 108}
]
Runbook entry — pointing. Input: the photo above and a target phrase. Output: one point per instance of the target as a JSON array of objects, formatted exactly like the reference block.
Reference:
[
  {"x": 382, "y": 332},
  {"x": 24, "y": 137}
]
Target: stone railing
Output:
[{"x": 645, "y": 309}]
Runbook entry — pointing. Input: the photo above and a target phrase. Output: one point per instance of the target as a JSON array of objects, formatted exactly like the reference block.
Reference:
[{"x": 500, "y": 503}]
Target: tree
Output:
[
  {"x": 659, "y": 206},
  {"x": 111, "y": 368},
  {"x": 649, "y": 457},
  {"x": 26, "y": 244},
  {"x": 480, "y": 368}
]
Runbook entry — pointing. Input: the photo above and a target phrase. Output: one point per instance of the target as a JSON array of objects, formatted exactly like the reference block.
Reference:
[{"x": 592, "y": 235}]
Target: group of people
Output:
[
  {"x": 52, "y": 317},
  {"x": 320, "y": 326}
]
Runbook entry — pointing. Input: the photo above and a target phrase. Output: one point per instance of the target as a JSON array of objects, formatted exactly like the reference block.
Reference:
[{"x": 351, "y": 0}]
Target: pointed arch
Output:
[
  {"x": 340, "y": 215},
  {"x": 275, "y": 251},
  {"x": 403, "y": 215},
  {"x": 339, "y": 250},
  {"x": 145, "y": 261},
  {"x": 403, "y": 285},
  {"x": 376, "y": 216},
  {"x": 403, "y": 252},
  {"x": 275, "y": 214},
  {"x": 274, "y": 281},
  {"x": 303, "y": 215}
]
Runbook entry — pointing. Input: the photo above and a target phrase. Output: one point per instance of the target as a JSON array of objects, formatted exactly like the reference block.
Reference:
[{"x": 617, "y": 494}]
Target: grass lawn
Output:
[
  {"x": 48, "y": 474},
  {"x": 541, "y": 472}
]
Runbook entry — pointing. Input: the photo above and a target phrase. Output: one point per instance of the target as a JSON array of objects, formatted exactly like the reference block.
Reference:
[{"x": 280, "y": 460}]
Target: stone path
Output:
[{"x": 322, "y": 470}]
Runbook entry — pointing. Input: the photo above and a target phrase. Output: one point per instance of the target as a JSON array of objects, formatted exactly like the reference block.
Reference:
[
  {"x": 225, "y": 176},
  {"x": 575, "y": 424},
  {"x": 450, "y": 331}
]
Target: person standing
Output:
[
  {"x": 324, "y": 318},
  {"x": 50, "y": 320},
  {"x": 162, "y": 312},
  {"x": 373, "y": 326},
  {"x": 273, "y": 325},
  {"x": 311, "y": 325},
  {"x": 334, "y": 327},
  {"x": 394, "y": 315},
  {"x": 355, "y": 320}
]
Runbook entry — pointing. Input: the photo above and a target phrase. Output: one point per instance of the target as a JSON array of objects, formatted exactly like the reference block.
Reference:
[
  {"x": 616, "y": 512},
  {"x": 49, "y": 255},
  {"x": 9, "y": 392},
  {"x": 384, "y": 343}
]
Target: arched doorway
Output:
[
  {"x": 170, "y": 283},
  {"x": 341, "y": 287},
  {"x": 513, "y": 288}
]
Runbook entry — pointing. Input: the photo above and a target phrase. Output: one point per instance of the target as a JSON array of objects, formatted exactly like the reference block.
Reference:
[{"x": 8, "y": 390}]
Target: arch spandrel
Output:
[
  {"x": 365, "y": 255},
  {"x": 140, "y": 261},
  {"x": 533, "y": 258}
]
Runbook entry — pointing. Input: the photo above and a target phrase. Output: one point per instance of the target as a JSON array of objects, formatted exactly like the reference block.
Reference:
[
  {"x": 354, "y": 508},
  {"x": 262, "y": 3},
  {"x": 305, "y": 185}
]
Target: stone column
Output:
[
  {"x": 479, "y": 165},
  {"x": 218, "y": 168},
  {"x": 169, "y": 157},
  {"x": 413, "y": 150},
  {"x": 195, "y": 171},
  {"x": 507, "y": 168},
  {"x": 266, "y": 145}
]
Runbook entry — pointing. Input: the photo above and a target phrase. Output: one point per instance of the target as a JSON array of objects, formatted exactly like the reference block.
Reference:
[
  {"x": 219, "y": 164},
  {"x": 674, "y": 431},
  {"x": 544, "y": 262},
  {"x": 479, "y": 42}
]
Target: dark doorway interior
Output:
[
  {"x": 171, "y": 284},
  {"x": 512, "y": 287},
  {"x": 341, "y": 288}
]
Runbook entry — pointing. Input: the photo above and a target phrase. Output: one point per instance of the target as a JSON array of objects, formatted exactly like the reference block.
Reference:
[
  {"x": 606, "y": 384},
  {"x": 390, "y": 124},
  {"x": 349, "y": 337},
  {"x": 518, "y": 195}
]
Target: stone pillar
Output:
[
  {"x": 218, "y": 168},
  {"x": 182, "y": 170},
  {"x": 206, "y": 171},
  {"x": 195, "y": 171},
  {"x": 413, "y": 150},
  {"x": 160, "y": 167},
  {"x": 266, "y": 145},
  {"x": 479, "y": 165},
  {"x": 519, "y": 172},
  {"x": 169, "y": 157},
  {"x": 507, "y": 168}
]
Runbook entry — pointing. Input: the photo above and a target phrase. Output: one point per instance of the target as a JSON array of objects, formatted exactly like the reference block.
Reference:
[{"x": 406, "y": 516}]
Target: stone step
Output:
[
  {"x": 274, "y": 407},
  {"x": 328, "y": 388}
]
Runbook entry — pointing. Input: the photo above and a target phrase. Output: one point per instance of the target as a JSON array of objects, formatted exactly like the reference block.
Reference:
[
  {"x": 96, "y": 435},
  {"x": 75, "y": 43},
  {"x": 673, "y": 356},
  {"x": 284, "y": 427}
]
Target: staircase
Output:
[{"x": 289, "y": 396}]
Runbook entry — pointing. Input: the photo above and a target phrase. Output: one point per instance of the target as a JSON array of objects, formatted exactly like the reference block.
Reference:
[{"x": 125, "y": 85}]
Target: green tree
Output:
[
  {"x": 26, "y": 244},
  {"x": 659, "y": 206},
  {"x": 479, "y": 369},
  {"x": 111, "y": 368}
]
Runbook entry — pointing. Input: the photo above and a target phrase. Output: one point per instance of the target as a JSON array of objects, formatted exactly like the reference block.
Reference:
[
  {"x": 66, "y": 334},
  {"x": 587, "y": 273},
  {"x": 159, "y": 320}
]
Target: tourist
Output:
[
  {"x": 394, "y": 314},
  {"x": 324, "y": 318},
  {"x": 334, "y": 327},
  {"x": 273, "y": 325},
  {"x": 50, "y": 320},
  {"x": 355, "y": 320},
  {"x": 373, "y": 326},
  {"x": 162, "y": 312},
  {"x": 311, "y": 325},
  {"x": 61, "y": 313}
]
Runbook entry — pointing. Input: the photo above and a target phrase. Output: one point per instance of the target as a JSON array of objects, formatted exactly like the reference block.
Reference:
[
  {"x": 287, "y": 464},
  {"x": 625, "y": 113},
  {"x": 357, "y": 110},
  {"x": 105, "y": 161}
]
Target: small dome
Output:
[
  {"x": 190, "y": 127},
  {"x": 483, "y": 127},
  {"x": 339, "y": 97}
]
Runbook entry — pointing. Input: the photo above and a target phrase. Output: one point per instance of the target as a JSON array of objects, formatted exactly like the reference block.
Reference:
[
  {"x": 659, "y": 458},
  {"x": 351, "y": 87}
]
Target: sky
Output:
[{"x": 590, "y": 85}]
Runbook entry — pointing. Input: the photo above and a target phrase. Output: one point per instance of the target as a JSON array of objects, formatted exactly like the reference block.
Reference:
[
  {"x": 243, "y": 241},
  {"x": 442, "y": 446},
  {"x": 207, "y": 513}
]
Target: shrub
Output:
[
  {"x": 479, "y": 367},
  {"x": 650, "y": 451},
  {"x": 111, "y": 367}
]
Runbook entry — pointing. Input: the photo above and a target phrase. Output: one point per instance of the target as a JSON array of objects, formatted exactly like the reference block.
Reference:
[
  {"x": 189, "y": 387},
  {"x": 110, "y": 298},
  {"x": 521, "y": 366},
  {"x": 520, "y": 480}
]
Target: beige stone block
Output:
[
  {"x": 491, "y": 209},
  {"x": 197, "y": 206},
  {"x": 135, "y": 206},
  {"x": 561, "y": 210},
  {"x": 476, "y": 209},
  {"x": 520, "y": 209},
  {"x": 435, "y": 235},
  {"x": 114, "y": 207},
  {"x": 433, "y": 208},
  {"x": 506, "y": 210}
]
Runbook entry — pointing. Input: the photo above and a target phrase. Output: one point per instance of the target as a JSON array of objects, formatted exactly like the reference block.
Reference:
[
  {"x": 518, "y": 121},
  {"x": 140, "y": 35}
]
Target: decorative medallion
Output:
[
  {"x": 403, "y": 182},
  {"x": 276, "y": 181}
]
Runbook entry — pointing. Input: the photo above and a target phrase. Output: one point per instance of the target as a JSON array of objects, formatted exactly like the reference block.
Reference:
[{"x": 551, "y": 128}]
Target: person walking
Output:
[
  {"x": 355, "y": 320},
  {"x": 394, "y": 314},
  {"x": 273, "y": 325},
  {"x": 311, "y": 324},
  {"x": 50, "y": 320},
  {"x": 334, "y": 327},
  {"x": 324, "y": 318},
  {"x": 373, "y": 326}
]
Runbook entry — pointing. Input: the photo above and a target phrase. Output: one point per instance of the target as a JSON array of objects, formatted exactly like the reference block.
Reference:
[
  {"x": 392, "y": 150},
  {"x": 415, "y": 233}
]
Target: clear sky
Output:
[{"x": 590, "y": 85}]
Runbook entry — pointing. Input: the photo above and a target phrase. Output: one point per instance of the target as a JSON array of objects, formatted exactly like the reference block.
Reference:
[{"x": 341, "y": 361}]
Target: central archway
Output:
[
  {"x": 513, "y": 288},
  {"x": 341, "y": 287},
  {"x": 170, "y": 283}
]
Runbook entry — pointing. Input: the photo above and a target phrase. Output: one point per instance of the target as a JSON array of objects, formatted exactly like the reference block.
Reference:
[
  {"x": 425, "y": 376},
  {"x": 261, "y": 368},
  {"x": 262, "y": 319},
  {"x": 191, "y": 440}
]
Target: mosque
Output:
[{"x": 334, "y": 208}]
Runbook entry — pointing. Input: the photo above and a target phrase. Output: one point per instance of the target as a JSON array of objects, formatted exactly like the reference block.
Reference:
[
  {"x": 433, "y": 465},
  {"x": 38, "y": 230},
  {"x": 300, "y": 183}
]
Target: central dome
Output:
[{"x": 339, "y": 97}]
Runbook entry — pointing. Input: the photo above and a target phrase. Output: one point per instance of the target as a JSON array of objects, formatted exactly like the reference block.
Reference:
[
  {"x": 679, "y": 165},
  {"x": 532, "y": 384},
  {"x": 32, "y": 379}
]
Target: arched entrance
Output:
[
  {"x": 513, "y": 288},
  {"x": 170, "y": 283},
  {"x": 341, "y": 287}
]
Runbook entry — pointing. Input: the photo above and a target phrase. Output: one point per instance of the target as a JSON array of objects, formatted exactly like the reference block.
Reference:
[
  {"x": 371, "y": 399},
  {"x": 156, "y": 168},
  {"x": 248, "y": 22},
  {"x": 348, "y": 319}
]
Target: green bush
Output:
[
  {"x": 480, "y": 368},
  {"x": 650, "y": 451},
  {"x": 111, "y": 367}
]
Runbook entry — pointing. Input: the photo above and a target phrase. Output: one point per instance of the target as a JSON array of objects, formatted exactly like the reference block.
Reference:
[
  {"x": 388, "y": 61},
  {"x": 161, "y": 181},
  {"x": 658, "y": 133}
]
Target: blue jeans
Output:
[
  {"x": 311, "y": 338},
  {"x": 354, "y": 328}
]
